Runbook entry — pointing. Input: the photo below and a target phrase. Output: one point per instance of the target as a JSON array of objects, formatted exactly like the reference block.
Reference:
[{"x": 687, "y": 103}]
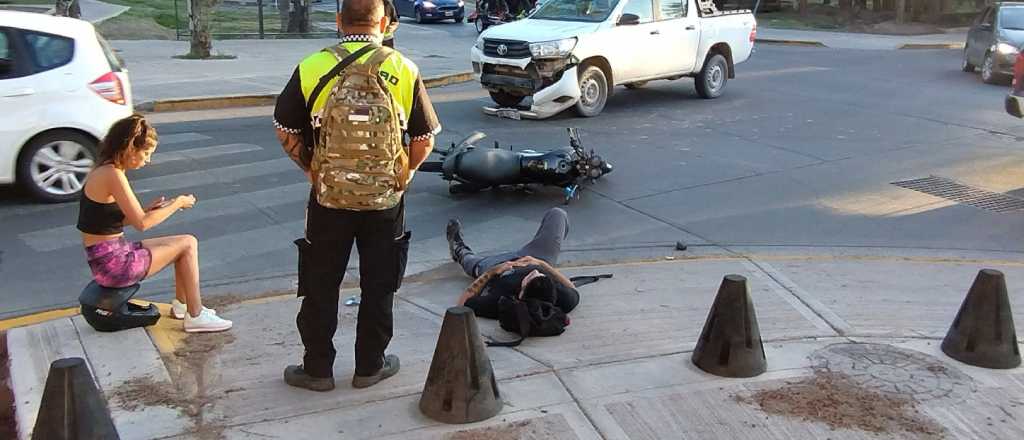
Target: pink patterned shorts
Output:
[{"x": 118, "y": 262}]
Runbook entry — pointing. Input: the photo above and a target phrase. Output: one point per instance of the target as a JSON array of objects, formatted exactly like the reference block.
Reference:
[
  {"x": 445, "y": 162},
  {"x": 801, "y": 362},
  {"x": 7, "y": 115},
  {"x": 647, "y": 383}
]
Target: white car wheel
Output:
[{"x": 53, "y": 166}]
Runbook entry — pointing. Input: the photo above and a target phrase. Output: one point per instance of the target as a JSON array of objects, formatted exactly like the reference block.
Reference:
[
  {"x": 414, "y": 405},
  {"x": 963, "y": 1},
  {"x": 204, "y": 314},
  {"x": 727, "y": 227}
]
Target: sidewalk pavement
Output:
[
  {"x": 96, "y": 11},
  {"x": 852, "y": 345},
  {"x": 954, "y": 39},
  {"x": 263, "y": 66}
]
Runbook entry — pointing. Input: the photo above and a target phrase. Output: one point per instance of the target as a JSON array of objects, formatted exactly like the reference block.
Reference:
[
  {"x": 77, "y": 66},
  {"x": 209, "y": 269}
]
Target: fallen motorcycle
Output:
[{"x": 471, "y": 168}]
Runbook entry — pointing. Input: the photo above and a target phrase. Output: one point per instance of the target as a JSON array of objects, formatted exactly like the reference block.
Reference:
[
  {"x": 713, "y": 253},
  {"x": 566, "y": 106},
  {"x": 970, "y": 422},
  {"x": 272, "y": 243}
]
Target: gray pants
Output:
[{"x": 546, "y": 245}]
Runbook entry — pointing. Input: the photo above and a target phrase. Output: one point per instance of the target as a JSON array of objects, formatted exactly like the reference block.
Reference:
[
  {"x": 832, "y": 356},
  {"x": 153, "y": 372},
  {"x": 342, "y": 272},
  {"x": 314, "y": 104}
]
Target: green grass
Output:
[
  {"x": 28, "y": 2},
  {"x": 227, "y": 19}
]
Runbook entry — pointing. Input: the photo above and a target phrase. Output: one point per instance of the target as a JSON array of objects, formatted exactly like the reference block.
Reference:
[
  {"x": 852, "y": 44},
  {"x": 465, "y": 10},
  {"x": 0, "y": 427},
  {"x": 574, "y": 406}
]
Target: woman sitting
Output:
[{"x": 108, "y": 202}]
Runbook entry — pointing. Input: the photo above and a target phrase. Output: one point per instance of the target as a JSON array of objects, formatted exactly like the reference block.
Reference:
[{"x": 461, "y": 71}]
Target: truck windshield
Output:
[
  {"x": 593, "y": 11},
  {"x": 1012, "y": 18}
]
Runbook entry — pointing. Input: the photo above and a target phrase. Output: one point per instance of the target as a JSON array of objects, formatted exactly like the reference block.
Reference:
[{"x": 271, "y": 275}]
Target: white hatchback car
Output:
[{"x": 61, "y": 88}]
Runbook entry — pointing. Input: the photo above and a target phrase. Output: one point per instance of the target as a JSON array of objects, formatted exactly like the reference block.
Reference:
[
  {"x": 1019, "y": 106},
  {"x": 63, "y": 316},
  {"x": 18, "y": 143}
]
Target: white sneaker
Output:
[
  {"x": 206, "y": 322},
  {"x": 179, "y": 310}
]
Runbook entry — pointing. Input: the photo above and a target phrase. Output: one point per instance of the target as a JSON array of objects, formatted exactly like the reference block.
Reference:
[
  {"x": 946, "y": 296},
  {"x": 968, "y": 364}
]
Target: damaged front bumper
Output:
[{"x": 552, "y": 84}]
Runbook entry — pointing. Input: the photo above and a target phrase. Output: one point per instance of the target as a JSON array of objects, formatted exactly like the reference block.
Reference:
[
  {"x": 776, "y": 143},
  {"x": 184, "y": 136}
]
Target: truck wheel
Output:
[
  {"x": 711, "y": 81},
  {"x": 593, "y": 92},
  {"x": 506, "y": 99},
  {"x": 53, "y": 166},
  {"x": 636, "y": 85}
]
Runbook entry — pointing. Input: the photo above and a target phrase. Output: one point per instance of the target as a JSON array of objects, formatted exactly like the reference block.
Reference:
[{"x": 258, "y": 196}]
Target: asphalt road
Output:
[{"x": 800, "y": 152}]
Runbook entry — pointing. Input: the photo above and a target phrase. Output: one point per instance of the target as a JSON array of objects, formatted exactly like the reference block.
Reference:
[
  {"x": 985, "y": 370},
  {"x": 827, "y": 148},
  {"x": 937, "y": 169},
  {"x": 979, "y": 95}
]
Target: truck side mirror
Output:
[{"x": 629, "y": 20}]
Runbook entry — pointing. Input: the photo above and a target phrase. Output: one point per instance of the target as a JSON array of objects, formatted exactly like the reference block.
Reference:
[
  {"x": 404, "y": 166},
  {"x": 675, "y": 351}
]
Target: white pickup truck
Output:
[{"x": 571, "y": 53}]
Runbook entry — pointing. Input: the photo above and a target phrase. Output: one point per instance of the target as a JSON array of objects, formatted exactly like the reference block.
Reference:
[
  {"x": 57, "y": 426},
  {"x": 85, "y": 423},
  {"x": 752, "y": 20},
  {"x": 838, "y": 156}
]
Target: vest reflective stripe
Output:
[{"x": 399, "y": 72}]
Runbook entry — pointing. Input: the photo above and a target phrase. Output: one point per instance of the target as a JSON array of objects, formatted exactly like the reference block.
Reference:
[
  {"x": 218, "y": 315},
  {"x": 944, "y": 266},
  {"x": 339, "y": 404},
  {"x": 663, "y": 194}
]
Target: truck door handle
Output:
[
  {"x": 20, "y": 92},
  {"x": 691, "y": 27},
  {"x": 655, "y": 32}
]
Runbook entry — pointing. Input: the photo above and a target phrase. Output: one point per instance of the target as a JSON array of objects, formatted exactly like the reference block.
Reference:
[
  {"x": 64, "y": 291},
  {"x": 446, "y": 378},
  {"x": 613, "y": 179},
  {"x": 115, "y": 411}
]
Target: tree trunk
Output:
[
  {"x": 199, "y": 23},
  {"x": 803, "y": 7},
  {"x": 68, "y": 8},
  {"x": 284, "y": 11},
  {"x": 298, "y": 22},
  {"x": 901, "y": 11}
]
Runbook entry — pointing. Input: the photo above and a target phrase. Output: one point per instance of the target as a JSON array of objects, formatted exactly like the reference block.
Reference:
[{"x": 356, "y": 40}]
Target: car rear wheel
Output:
[
  {"x": 966, "y": 65},
  {"x": 419, "y": 17},
  {"x": 713, "y": 77},
  {"x": 593, "y": 92},
  {"x": 53, "y": 166},
  {"x": 506, "y": 99}
]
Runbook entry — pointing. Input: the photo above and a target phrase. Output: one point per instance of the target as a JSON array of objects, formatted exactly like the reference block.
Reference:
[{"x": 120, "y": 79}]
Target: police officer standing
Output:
[
  {"x": 392, "y": 14},
  {"x": 342, "y": 118}
]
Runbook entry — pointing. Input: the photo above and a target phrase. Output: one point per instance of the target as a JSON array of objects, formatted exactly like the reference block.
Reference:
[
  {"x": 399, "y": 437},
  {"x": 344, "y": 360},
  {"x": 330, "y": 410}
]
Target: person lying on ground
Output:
[{"x": 526, "y": 273}]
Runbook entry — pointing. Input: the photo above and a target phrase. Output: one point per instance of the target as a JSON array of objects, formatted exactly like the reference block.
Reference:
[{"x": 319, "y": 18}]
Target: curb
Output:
[
  {"x": 258, "y": 100},
  {"x": 932, "y": 46},
  {"x": 806, "y": 43}
]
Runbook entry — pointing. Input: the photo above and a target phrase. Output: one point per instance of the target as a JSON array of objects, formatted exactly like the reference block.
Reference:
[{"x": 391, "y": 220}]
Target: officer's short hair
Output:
[{"x": 361, "y": 12}]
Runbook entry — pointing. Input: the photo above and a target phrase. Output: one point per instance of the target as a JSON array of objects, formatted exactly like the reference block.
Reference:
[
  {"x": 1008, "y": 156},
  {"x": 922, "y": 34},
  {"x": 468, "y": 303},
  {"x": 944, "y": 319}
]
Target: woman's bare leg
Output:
[{"x": 183, "y": 251}]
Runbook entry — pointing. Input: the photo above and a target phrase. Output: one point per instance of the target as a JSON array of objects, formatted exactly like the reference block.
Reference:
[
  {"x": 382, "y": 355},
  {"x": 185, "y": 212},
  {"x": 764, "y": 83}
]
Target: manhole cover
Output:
[
  {"x": 895, "y": 371},
  {"x": 960, "y": 193}
]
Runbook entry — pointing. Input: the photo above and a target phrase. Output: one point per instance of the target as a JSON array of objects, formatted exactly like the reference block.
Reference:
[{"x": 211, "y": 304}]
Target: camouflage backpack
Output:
[{"x": 359, "y": 162}]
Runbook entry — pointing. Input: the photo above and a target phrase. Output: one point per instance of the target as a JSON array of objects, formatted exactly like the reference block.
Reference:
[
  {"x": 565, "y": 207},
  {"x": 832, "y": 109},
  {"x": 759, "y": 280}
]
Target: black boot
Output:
[{"x": 456, "y": 246}]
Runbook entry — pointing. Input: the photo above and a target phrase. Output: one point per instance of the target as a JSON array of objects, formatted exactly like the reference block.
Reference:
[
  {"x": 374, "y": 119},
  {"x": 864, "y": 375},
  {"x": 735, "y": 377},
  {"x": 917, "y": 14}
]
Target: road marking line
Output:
[
  {"x": 48, "y": 240},
  {"x": 178, "y": 138},
  {"x": 202, "y": 153},
  {"x": 229, "y": 174},
  {"x": 784, "y": 71},
  {"x": 37, "y": 318}
]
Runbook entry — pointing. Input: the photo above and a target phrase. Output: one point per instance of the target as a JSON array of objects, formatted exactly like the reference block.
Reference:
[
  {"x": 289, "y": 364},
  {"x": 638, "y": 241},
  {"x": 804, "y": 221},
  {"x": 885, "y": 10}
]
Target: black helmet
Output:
[{"x": 107, "y": 309}]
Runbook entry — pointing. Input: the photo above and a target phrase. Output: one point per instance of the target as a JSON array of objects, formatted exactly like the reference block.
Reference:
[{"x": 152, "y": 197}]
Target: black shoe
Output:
[
  {"x": 456, "y": 246},
  {"x": 295, "y": 376},
  {"x": 390, "y": 368}
]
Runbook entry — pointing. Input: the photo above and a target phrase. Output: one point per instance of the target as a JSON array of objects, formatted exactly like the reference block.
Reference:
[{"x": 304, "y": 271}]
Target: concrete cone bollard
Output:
[
  {"x": 460, "y": 387},
  {"x": 730, "y": 345},
  {"x": 983, "y": 334},
  {"x": 72, "y": 407}
]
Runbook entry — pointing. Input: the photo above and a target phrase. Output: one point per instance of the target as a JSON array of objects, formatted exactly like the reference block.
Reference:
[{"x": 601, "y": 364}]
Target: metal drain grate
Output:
[{"x": 960, "y": 193}]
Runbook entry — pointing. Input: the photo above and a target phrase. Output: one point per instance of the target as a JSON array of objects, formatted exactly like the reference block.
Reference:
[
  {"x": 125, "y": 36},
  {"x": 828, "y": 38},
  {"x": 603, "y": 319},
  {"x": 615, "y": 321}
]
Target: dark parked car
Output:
[
  {"x": 994, "y": 41},
  {"x": 432, "y": 10},
  {"x": 1015, "y": 100}
]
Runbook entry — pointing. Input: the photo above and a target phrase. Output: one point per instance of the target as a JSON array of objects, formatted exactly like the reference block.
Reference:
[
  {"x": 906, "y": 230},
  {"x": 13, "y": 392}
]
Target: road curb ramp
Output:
[
  {"x": 730, "y": 344},
  {"x": 72, "y": 407},
  {"x": 460, "y": 386},
  {"x": 982, "y": 333}
]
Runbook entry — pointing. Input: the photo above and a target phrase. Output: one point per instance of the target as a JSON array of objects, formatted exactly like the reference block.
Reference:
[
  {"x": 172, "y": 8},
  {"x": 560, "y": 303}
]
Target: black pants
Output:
[{"x": 383, "y": 246}]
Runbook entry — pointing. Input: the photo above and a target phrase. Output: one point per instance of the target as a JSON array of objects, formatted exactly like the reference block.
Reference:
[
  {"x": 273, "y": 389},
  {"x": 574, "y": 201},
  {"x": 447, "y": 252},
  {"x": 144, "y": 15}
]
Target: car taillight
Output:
[
  {"x": 753, "y": 33},
  {"x": 109, "y": 87}
]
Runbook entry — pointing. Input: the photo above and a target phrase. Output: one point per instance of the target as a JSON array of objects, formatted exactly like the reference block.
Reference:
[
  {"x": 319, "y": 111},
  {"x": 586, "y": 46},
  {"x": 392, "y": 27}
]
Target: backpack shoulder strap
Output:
[
  {"x": 581, "y": 281},
  {"x": 351, "y": 58},
  {"x": 373, "y": 64},
  {"x": 523, "y": 316}
]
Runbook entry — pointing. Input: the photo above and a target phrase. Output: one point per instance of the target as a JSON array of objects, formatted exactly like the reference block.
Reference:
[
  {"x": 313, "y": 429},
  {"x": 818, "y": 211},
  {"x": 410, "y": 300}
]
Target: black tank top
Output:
[{"x": 99, "y": 218}]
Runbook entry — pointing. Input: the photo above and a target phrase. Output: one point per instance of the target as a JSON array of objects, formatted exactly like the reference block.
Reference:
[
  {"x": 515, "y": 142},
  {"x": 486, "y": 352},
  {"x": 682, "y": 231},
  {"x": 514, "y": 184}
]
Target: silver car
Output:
[{"x": 994, "y": 40}]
